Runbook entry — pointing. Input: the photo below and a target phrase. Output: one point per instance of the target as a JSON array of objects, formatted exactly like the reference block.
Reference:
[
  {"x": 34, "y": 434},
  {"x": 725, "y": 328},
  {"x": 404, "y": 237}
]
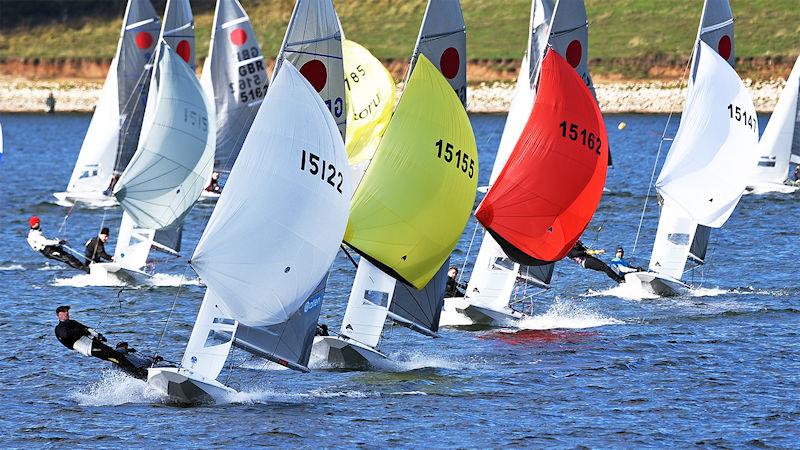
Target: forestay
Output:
[
  {"x": 175, "y": 155},
  {"x": 371, "y": 94},
  {"x": 443, "y": 40},
  {"x": 551, "y": 185},
  {"x": 414, "y": 200},
  {"x": 288, "y": 192},
  {"x": 780, "y": 142},
  {"x": 313, "y": 43},
  {"x": 710, "y": 161},
  {"x": 235, "y": 76}
]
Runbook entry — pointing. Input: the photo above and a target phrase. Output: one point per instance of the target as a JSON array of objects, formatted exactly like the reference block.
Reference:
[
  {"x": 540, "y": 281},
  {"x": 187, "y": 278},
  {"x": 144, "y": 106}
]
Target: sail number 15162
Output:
[{"x": 462, "y": 160}]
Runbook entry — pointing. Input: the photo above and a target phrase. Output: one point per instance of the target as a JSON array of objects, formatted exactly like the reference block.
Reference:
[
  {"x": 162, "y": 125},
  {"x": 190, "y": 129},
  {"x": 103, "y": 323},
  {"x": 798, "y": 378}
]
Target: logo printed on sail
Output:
[{"x": 312, "y": 303}]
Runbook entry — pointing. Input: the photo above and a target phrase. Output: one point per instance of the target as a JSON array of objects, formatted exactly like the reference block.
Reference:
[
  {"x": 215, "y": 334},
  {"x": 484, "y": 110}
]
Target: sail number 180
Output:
[{"x": 462, "y": 160}]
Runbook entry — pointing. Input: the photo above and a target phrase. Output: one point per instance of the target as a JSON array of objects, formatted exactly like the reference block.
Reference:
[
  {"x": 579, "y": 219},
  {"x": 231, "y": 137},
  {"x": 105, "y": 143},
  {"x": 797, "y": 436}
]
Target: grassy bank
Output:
[{"x": 627, "y": 36}]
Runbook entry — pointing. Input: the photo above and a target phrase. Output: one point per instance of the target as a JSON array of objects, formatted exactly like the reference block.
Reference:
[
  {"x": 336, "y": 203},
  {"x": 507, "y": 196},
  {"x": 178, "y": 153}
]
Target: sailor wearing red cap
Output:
[{"x": 51, "y": 248}]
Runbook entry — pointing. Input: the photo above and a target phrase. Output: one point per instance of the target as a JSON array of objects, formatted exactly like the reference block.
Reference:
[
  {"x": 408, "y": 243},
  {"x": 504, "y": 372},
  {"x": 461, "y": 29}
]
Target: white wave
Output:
[
  {"x": 9, "y": 267},
  {"x": 85, "y": 279},
  {"x": 47, "y": 266},
  {"x": 566, "y": 315},
  {"x": 262, "y": 395},
  {"x": 452, "y": 318},
  {"x": 173, "y": 280},
  {"x": 116, "y": 388},
  {"x": 404, "y": 361},
  {"x": 707, "y": 292},
  {"x": 626, "y": 291}
]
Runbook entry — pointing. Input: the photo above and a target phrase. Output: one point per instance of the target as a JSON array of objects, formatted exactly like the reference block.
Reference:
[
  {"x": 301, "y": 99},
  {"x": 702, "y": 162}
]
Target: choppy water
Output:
[{"x": 595, "y": 367}]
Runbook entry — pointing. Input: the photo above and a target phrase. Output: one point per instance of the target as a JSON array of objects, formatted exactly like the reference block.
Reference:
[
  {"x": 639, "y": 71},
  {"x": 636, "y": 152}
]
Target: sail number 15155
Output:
[{"x": 462, "y": 160}]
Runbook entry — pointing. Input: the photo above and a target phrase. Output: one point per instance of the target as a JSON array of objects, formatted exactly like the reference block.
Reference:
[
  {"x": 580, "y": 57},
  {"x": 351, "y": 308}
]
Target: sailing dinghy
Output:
[
  {"x": 173, "y": 159},
  {"x": 706, "y": 170},
  {"x": 106, "y": 151},
  {"x": 289, "y": 190},
  {"x": 235, "y": 76},
  {"x": 494, "y": 286},
  {"x": 780, "y": 143},
  {"x": 406, "y": 217}
]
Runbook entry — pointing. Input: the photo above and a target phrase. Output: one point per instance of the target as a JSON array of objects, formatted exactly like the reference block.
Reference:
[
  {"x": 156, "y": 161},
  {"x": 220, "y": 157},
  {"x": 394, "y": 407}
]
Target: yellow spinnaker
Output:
[
  {"x": 371, "y": 95},
  {"x": 416, "y": 196}
]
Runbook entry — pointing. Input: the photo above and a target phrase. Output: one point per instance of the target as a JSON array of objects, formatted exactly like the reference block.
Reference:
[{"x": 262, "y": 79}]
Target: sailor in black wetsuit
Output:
[
  {"x": 96, "y": 248},
  {"x": 452, "y": 289},
  {"x": 584, "y": 257},
  {"x": 86, "y": 341}
]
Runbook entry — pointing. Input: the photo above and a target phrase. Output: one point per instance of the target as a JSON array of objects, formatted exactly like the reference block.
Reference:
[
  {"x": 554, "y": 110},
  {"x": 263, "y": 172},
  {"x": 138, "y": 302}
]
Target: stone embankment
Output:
[{"x": 21, "y": 95}]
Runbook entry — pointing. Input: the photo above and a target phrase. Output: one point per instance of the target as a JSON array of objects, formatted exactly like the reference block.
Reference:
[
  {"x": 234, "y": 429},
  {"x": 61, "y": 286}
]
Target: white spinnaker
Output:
[
  {"x": 278, "y": 224},
  {"x": 712, "y": 158},
  {"x": 95, "y": 164},
  {"x": 176, "y": 150},
  {"x": 443, "y": 40},
  {"x": 368, "y": 304},
  {"x": 710, "y": 161},
  {"x": 205, "y": 354},
  {"x": 235, "y": 76},
  {"x": 775, "y": 146},
  {"x": 313, "y": 44}
]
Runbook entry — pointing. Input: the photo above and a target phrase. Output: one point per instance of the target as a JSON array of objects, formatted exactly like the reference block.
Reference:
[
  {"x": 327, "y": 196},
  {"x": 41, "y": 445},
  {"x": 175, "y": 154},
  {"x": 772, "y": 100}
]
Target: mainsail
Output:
[
  {"x": 175, "y": 155},
  {"x": 371, "y": 95},
  {"x": 780, "y": 142},
  {"x": 443, "y": 40},
  {"x": 551, "y": 185},
  {"x": 414, "y": 200},
  {"x": 235, "y": 76},
  {"x": 313, "y": 43},
  {"x": 102, "y": 152},
  {"x": 178, "y": 30},
  {"x": 264, "y": 293},
  {"x": 709, "y": 163}
]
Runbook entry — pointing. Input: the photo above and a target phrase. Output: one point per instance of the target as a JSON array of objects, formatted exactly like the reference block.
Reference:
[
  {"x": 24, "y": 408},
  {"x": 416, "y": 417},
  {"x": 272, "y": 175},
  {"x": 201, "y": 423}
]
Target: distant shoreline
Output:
[{"x": 19, "y": 95}]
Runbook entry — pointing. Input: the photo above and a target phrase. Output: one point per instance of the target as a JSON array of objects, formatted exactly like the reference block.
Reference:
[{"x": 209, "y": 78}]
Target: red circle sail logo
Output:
[
  {"x": 184, "y": 50},
  {"x": 238, "y": 36},
  {"x": 574, "y": 53},
  {"x": 449, "y": 63},
  {"x": 144, "y": 40},
  {"x": 724, "y": 47},
  {"x": 315, "y": 72}
]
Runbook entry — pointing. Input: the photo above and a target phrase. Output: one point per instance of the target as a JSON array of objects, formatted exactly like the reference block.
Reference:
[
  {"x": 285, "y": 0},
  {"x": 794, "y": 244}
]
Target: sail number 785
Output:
[{"x": 462, "y": 160}]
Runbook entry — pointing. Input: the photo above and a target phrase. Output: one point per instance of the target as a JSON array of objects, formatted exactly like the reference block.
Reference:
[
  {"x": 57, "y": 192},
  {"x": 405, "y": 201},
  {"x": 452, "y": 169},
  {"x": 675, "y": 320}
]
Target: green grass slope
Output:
[{"x": 626, "y": 36}]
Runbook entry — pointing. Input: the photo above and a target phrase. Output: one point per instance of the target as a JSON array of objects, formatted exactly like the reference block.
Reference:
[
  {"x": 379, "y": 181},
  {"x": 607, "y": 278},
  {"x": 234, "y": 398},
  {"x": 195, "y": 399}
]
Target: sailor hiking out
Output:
[
  {"x": 96, "y": 249},
  {"x": 586, "y": 259},
  {"x": 87, "y": 341},
  {"x": 453, "y": 288},
  {"x": 621, "y": 266},
  {"x": 51, "y": 248}
]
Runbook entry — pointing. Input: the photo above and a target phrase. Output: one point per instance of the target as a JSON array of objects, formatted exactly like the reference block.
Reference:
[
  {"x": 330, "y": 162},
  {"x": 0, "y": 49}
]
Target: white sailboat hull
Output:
[
  {"x": 103, "y": 273},
  {"x": 656, "y": 283},
  {"x": 186, "y": 387},
  {"x": 479, "y": 314},
  {"x": 88, "y": 199},
  {"x": 767, "y": 187},
  {"x": 343, "y": 353}
]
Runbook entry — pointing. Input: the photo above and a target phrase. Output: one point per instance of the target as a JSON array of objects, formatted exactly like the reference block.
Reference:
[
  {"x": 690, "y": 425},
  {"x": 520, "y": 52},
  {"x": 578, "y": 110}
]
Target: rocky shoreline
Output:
[{"x": 19, "y": 95}]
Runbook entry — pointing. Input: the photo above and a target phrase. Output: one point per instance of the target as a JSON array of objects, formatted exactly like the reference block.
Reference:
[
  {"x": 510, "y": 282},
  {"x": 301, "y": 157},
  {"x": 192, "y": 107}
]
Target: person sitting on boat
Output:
[
  {"x": 585, "y": 258},
  {"x": 621, "y": 266},
  {"x": 96, "y": 249},
  {"x": 796, "y": 181},
  {"x": 322, "y": 330},
  {"x": 453, "y": 288},
  {"x": 214, "y": 186},
  {"x": 87, "y": 341},
  {"x": 51, "y": 248}
]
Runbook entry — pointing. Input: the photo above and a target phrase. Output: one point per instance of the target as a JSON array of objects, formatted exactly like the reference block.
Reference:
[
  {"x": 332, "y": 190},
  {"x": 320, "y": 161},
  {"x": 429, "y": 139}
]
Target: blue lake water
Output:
[{"x": 717, "y": 368}]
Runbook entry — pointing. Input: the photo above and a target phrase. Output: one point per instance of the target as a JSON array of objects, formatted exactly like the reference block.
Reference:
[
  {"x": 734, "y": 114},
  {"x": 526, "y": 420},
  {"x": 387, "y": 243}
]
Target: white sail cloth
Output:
[
  {"x": 781, "y": 138},
  {"x": 279, "y": 222},
  {"x": 712, "y": 158},
  {"x": 175, "y": 155}
]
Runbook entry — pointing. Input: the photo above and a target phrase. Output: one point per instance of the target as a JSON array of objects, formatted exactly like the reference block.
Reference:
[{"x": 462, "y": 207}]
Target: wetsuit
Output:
[
  {"x": 86, "y": 341},
  {"x": 580, "y": 255},
  {"x": 452, "y": 289},
  {"x": 96, "y": 251},
  {"x": 52, "y": 249},
  {"x": 622, "y": 266}
]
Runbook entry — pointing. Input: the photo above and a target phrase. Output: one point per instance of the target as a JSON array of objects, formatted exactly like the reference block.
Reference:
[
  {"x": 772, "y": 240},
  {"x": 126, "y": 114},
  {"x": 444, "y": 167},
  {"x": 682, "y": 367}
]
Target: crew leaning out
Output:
[
  {"x": 51, "y": 248},
  {"x": 96, "y": 248}
]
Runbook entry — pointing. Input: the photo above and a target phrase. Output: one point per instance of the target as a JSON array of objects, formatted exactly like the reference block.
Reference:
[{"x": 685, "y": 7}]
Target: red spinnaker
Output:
[{"x": 552, "y": 183}]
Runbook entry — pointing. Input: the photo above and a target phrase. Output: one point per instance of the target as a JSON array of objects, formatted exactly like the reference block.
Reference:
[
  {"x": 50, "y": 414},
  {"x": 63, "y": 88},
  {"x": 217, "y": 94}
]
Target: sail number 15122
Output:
[{"x": 462, "y": 160}]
